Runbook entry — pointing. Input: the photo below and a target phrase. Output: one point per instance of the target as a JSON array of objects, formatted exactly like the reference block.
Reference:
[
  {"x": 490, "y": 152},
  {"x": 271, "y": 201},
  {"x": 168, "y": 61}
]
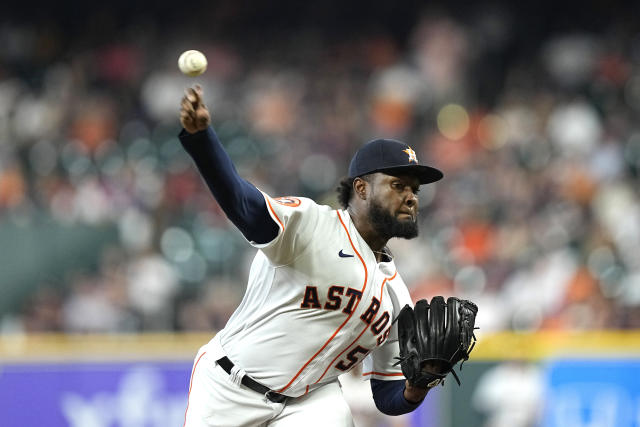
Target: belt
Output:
[{"x": 254, "y": 385}]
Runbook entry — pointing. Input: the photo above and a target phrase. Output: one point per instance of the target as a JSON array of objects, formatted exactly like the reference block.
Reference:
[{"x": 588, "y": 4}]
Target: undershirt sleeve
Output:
[
  {"x": 240, "y": 200},
  {"x": 389, "y": 397}
]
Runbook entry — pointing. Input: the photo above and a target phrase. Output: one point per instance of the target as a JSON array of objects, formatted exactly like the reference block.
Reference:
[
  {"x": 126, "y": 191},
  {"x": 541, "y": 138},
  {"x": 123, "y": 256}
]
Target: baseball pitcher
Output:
[{"x": 323, "y": 295}]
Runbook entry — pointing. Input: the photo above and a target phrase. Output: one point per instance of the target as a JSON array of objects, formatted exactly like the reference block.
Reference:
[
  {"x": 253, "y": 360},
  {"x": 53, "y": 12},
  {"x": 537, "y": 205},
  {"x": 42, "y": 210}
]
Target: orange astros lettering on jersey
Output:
[{"x": 288, "y": 201}]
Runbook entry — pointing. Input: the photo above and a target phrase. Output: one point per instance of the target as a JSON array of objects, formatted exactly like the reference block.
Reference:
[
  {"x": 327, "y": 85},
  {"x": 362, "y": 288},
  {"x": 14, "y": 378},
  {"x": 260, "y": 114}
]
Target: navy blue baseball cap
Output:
[{"x": 391, "y": 157}]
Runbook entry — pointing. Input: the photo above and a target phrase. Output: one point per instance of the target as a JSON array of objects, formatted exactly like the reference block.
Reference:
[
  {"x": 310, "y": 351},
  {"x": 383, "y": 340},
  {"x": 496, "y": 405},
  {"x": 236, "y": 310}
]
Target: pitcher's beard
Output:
[{"x": 389, "y": 226}]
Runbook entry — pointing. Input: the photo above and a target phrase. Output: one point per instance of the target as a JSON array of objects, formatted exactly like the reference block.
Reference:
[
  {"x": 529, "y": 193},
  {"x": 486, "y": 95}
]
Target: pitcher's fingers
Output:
[
  {"x": 192, "y": 96},
  {"x": 185, "y": 115},
  {"x": 187, "y": 105},
  {"x": 202, "y": 118},
  {"x": 436, "y": 324},
  {"x": 187, "y": 120}
]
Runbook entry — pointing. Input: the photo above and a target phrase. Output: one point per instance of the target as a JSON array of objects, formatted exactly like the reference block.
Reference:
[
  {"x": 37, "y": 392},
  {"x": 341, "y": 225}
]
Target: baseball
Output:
[{"x": 192, "y": 63}]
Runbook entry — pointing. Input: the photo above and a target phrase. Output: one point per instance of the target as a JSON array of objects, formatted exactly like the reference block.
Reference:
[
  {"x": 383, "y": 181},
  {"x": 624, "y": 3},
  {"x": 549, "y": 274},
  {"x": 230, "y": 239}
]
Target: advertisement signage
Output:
[
  {"x": 94, "y": 394},
  {"x": 593, "y": 393}
]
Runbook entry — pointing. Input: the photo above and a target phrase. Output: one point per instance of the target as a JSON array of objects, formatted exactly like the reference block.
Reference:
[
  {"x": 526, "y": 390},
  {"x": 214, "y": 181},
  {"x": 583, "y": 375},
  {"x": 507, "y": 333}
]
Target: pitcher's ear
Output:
[{"x": 360, "y": 188}]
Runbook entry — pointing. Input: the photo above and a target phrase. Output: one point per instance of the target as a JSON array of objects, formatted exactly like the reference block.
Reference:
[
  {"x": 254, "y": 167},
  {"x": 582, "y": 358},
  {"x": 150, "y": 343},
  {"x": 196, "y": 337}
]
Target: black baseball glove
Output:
[{"x": 433, "y": 338}]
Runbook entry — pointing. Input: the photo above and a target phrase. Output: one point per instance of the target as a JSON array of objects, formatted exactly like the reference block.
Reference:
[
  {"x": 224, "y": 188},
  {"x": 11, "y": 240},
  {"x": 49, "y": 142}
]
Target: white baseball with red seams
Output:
[
  {"x": 192, "y": 63},
  {"x": 317, "y": 303}
]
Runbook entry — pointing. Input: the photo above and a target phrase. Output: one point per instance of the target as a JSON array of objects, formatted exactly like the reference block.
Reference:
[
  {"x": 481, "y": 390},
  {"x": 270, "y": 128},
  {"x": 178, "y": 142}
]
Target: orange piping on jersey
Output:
[
  {"x": 306, "y": 391},
  {"x": 399, "y": 374},
  {"x": 385, "y": 281},
  {"x": 274, "y": 213},
  {"x": 366, "y": 277},
  {"x": 191, "y": 384},
  {"x": 358, "y": 337}
]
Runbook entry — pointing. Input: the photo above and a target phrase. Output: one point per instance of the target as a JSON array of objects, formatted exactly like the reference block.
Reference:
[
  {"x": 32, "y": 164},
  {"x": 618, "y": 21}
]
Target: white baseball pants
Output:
[{"x": 216, "y": 401}]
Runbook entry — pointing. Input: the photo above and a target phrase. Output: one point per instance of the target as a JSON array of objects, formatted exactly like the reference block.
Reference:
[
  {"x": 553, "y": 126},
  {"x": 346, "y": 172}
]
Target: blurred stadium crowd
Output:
[{"x": 537, "y": 219}]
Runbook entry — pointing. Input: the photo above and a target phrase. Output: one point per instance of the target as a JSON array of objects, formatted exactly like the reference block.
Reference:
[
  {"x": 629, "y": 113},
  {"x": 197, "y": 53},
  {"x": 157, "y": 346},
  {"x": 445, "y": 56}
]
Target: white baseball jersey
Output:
[{"x": 317, "y": 303}]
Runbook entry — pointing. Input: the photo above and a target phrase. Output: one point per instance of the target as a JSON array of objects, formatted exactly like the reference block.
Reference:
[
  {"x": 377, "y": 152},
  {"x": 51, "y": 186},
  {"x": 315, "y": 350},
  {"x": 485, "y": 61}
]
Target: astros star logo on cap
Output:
[{"x": 412, "y": 155}]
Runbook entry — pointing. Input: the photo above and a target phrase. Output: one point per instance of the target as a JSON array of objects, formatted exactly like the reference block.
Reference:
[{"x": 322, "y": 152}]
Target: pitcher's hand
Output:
[{"x": 194, "y": 115}]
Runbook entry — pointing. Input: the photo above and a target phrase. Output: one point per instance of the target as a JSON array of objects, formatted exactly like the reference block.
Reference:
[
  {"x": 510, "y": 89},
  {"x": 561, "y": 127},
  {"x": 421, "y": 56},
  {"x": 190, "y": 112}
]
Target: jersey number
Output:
[{"x": 352, "y": 358}]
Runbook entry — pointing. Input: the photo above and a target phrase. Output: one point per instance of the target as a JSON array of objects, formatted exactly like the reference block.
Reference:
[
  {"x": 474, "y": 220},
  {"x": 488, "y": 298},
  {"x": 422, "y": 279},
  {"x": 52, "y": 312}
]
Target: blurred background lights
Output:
[
  {"x": 469, "y": 281},
  {"x": 610, "y": 281},
  {"x": 244, "y": 152},
  {"x": 632, "y": 152},
  {"x": 527, "y": 318},
  {"x": 139, "y": 148},
  {"x": 74, "y": 160},
  {"x": 599, "y": 260},
  {"x": 174, "y": 157},
  {"x": 177, "y": 245},
  {"x": 43, "y": 157},
  {"x": 131, "y": 130},
  {"x": 492, "y": 131},
  {"x": 575, "y": 128},
  {"x": 453, "y": 121},
  {"x": 149, "y": 184},
  {"x": 632, "y": 92},
  {"x": 112, "y": 164},
  {"x": 215, "y": 244},
  {"x": 318, "y": 172},
  {"x": 193, "y": 269},
  {"x": 136, "y": 230}
]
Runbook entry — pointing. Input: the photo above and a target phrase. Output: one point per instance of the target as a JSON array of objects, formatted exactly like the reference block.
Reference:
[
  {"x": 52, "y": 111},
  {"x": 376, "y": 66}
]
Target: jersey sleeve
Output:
[
  {"x": 297, "y": 219},
  {"x": 379, "y": 364}
]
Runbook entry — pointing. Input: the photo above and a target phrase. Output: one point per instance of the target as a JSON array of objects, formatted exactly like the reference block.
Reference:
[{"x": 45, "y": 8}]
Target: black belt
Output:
[{"x": 254, "y": 385}]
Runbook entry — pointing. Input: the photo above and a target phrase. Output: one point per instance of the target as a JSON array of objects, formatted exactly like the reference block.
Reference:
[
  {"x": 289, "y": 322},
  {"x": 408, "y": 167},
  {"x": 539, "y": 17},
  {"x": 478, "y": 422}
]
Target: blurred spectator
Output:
[
  {"x": 537, "y": 219},
  {"x": 43, "y": 312},
  {"x": 511, "y": 395}
]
